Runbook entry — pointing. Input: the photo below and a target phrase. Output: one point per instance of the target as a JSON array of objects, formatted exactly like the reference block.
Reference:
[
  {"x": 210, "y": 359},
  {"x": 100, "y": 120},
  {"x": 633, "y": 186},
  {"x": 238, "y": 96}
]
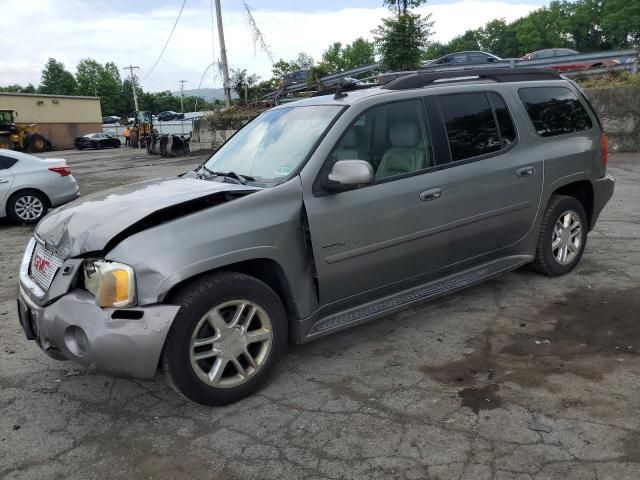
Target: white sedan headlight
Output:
[{"x": 113, "y": 284}]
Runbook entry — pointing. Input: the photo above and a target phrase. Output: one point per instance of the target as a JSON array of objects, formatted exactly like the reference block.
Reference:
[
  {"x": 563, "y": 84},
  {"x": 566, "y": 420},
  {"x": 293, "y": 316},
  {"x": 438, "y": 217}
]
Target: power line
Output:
[{"x": 167, "y": 42}]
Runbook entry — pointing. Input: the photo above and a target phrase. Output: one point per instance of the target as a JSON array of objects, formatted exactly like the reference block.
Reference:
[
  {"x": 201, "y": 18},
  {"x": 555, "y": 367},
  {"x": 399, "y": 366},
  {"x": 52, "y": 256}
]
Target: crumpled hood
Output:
[{"x": 91, "y": 222}]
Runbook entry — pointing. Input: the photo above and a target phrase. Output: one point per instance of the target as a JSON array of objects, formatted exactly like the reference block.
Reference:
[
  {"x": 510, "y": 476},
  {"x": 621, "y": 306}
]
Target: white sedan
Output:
[{"x": 29, "y": 185}]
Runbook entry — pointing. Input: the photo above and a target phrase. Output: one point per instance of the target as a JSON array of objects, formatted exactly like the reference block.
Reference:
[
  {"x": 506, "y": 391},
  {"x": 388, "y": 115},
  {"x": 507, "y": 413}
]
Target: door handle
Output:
[
  {"x": 525, "y": 171},
  {"x": 431, "y": 194},
  {"x": 4, "y": 181}
]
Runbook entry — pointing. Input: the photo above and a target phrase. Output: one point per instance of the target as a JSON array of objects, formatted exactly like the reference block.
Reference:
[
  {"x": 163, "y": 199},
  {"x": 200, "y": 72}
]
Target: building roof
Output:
[{"x": 45, "y": 95}]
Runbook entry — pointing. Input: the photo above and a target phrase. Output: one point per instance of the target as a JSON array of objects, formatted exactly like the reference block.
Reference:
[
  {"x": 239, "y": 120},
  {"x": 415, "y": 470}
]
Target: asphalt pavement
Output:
[{"x": 523, "y": 377}]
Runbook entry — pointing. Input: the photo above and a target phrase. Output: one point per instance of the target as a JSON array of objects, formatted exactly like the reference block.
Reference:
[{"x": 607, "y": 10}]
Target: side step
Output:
[{"x": 402, "y": 300}]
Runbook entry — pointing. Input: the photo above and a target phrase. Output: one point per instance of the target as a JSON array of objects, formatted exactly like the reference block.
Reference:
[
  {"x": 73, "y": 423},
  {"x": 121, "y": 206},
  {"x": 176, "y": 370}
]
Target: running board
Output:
[{"x": 400, "y": 301}]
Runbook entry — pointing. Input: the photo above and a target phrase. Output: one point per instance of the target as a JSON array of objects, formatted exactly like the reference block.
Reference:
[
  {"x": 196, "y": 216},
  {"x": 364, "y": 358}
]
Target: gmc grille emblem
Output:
[{"x": 40, "y": 264}]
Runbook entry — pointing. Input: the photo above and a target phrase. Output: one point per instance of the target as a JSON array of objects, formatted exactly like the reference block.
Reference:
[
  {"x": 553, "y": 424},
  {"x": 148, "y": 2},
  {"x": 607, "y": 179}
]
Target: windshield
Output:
[
  {"x": 6, "y": 118},
  {"x": 273, "y": 145}
]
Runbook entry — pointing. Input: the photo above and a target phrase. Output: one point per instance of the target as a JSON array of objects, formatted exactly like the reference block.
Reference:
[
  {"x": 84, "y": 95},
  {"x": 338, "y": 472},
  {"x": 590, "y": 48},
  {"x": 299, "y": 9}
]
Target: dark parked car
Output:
[
  {"x": 466, "y": 58},
  {"x": 96, "y": 140},
  {"x": 169, "y": 115},
  {"x": 568, "y": 67},
  {"x": 301, "y": 76}
]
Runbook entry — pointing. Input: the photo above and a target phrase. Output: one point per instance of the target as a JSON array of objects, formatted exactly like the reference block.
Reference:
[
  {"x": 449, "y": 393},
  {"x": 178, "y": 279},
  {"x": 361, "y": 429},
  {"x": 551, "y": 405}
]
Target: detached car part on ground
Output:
[
  {"x": 314, "y": 217},
  {"x": 29, "y": 185},
  {"x": 168, "y": 145}
]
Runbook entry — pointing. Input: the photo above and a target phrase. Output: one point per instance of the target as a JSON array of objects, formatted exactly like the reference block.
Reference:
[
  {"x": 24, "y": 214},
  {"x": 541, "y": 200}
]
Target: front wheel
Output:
[
  {"x": 226, "y": 340},
  {"x": 563, "y": 236}
]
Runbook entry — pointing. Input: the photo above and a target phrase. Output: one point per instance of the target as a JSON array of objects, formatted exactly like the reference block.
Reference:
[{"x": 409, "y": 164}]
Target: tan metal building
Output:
[{"x": 60, "y": 118}]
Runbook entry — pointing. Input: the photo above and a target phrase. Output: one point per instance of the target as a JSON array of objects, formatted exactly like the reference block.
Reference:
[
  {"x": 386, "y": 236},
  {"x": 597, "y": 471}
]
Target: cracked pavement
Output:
[{"x": 521, "y": 378}]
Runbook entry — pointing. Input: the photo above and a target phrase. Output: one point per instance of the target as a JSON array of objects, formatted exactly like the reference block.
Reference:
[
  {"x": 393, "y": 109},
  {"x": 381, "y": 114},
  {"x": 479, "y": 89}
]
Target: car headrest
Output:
[{"x": 404, "y": 134}]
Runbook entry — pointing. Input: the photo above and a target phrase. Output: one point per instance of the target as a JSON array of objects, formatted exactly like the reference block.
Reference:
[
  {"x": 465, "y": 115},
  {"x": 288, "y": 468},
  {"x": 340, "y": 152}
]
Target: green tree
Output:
[
  {"x": 304, "y": 61},
  {"x": 56, "y": 79},
  {"x": 337, "y": 58},
  {"x": 400, "y": 41},
  {"x": 88, "y": 77},
  {"x": 402, "y": 7},
  {"x": 282, "y": 67},
  {"x": 499, "y": 38},
  {"x": 110, "y": 89},
  {"x": 15, "y": 88},
  {"x": 240, "y": 78},
  {"x": 621, "y": 23}
]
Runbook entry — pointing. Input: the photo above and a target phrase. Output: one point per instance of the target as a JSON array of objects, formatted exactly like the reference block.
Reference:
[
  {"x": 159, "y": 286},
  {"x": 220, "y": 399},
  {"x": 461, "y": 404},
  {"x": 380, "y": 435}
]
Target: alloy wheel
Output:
[
  {"x": 230, "y": 343},
  {"x": 28, "y": 207},
  {"x": 566, "y": 238}
]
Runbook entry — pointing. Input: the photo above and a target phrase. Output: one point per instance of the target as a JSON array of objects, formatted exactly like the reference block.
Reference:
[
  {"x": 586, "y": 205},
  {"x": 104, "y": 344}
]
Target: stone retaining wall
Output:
[{"x": 619, "y": 110}]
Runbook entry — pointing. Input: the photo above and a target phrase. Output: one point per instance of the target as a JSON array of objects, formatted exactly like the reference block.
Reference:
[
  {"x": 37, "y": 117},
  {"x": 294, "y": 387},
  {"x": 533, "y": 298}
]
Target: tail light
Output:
[
  {"x": 63, "y": 171},
  {"x": 604, "y": 144}
]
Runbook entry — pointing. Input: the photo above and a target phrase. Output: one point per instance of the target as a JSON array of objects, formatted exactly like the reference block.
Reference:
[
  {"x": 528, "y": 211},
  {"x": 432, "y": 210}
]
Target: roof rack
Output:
[
  {"x": 338, "y": 90},
  {"x": 501, "y": 75}
]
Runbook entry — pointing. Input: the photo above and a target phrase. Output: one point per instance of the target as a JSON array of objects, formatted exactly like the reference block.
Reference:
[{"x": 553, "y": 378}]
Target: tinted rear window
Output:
[
  {"x": 555, "y": 110},
  {"x": 507, "y": 129},
  {"x": 471, "y": 128}
]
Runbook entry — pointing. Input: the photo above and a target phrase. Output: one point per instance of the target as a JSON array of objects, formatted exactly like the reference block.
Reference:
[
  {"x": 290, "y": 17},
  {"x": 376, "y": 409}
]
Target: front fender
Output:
[{"x": 264, "y": 225}]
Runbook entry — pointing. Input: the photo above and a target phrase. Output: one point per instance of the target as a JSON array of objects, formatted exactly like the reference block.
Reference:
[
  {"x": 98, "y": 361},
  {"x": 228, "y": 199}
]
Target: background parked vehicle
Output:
[
  {"x": 30, "y": 185},
  {"x": 169, "y": 115},
  {"x": 566, "y": 53},
  {"x": 110, "y": 119},
  {"x": 96, "y": 140},
  {"x": 301, "y": 76},
  {"x": 466, "y": 58}
]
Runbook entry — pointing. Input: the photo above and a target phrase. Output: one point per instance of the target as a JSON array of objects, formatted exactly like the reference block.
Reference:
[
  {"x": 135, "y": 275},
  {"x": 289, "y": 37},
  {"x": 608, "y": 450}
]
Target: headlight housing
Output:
[{"x": 112, "y": 283}]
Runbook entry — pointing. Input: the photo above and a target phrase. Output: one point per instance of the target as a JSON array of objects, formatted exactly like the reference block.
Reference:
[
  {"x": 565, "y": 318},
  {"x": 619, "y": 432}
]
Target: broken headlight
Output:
[{"x": 113, "y": 284}]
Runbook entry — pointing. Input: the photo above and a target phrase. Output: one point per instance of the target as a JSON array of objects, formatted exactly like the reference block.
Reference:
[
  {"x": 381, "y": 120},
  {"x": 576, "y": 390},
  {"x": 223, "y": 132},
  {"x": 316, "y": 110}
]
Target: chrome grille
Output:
[{"x": 44, "y": 276}]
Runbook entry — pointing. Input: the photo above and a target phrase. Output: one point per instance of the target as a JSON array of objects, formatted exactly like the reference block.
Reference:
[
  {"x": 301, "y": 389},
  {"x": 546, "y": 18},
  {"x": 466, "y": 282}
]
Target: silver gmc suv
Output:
[{"x": 316, "y": 216}]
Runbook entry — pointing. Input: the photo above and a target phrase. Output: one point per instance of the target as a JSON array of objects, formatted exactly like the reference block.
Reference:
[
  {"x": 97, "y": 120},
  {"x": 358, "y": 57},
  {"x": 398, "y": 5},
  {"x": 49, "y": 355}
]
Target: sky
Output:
[{"x": 133, "y": 33}]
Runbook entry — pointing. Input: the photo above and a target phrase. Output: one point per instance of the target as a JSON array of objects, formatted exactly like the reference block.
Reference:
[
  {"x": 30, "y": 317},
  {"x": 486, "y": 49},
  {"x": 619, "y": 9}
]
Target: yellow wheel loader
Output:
[{"x": 20, "y": 137}]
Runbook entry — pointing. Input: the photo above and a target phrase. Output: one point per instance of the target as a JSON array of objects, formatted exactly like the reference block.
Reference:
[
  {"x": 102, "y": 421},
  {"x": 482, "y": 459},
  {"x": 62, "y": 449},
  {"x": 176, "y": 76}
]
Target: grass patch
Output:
[{"x": 609, "y": 80}]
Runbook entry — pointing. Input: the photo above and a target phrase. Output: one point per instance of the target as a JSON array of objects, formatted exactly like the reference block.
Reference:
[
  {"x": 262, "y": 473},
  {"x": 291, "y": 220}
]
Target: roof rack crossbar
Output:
[{"x": 500, "y": 75}]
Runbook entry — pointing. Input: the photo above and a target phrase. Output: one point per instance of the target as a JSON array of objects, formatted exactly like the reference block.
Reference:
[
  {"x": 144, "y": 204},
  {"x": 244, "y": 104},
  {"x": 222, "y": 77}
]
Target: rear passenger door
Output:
[{"x": 495, "y": 178}]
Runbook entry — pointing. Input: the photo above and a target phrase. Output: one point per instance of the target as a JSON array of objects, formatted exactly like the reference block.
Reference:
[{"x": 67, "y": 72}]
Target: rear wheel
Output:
[
  {"x": 226, "y": 340},
  {"x": 27, "y": 206},
  {"x": 563, "y": 236}
]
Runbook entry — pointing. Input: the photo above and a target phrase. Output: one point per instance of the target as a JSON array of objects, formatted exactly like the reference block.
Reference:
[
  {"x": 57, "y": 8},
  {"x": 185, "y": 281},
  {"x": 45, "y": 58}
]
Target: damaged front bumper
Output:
[{"x": 120, "y": 342}]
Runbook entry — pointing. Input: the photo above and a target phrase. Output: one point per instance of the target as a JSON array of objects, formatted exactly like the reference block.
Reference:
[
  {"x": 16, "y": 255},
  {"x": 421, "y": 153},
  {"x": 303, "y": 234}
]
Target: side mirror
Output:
[{"x": 347, "y": 174}]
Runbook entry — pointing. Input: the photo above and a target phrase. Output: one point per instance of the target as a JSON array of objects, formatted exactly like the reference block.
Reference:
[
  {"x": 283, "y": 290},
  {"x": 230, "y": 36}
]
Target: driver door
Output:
[{"x": 382, "y": 237}]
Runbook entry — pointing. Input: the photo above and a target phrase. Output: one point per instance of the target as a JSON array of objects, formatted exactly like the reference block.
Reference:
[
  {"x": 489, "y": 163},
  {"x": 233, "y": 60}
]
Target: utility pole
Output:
[
  {"x": 133, "y": 85},
  {"x": 182, "y": 82},
  {"x": 223, "y": 56}
]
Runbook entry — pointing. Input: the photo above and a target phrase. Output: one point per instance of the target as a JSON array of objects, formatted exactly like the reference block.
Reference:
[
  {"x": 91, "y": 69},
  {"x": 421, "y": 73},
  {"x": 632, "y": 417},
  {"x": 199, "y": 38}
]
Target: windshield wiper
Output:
[{"x": 240, "y": 179}]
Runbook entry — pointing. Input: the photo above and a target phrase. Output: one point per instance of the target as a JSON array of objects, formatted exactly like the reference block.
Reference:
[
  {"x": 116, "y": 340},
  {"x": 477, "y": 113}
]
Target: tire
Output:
[
  {"x": 548, "y": 260},
  {"x": 214, "y": 379},
  {"x": 27, "y": 206},
  {"x": 37, "y": 143}
]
